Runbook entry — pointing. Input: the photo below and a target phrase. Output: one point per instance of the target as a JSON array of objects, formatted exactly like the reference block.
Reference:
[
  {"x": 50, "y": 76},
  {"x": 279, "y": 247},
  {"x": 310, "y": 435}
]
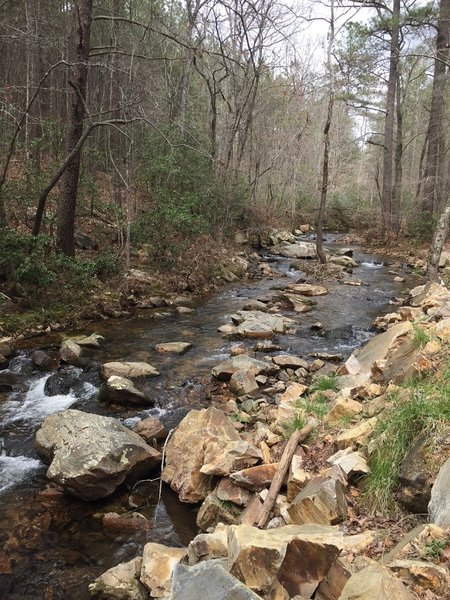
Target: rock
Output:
[
  {"x": 344, "y": 252},
  {"x": 356, "y": 435},
  {"x": 296, "y": 557},
  {"x": 139, "y": 276},
  {"x": 297, "y": 250},
  {"x": 288, "y": 405},
  {"x": 333, "y": 584},
  {"x": 214, "y": 511},
  {"x": 321, "y": 501},
  {"x": 92, "y": 341},
  {"x": 375, "y": 582},
  {"x": 120, "y": 583},
  {"x": 351, "y": 463},
  {"x": 343, "y": 261},
  {"x": 255, "y": 305},
  {"x": 419, "y": 470},
  {"x": 243, "y": 362},
  {"x": 119, "y": 390},
  {"x": 255, "y": 478},
  {"x": 43, "y": 361},
  {"x": 173, "y": 347},
  {"x": 285, "y": 361},
  {"x": 307, "y": 289},
  {"x": 228, "y": 329},
  {"x": 70, "y": 352},
  {"x": 343, "y": 408},
  {"x": 408, "y": 362},
  {"x": 6, "y": 346},
  {"x": 151, "y": 429},
  {"x": 231, "y": 492},
  {"x": 297, "y": 478},
  {"x": 241, "y": 237},
  {"x": 197, "y": 430},
  {"x": 439, "y": 506},
  {"x": 92, "y": 455},
  {"x": 399, "y": 279},
  {"x": 208, "y": 581},
  {"x": 297, "y": 304},
  {"x": 243, "y": 382},
  {"x": 158, "y": 563},
  {"x": 248, "y": 318},
  {"x": 157, "y": 301},
  {"x": 184, "y": 310},
  {"x": 128, "y": 369},
  {"x": 223, "y": 460},
  {"x": 128, "y": 522},
  {"x": 61, "y": 382},
  {"x": 207, "y": 546},
  {"x": 423, "y": 574}
]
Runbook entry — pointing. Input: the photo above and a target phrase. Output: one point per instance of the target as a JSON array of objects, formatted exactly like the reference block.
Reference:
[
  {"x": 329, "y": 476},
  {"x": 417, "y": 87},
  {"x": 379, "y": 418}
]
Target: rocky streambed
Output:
[{"x": 264, "y": 340}]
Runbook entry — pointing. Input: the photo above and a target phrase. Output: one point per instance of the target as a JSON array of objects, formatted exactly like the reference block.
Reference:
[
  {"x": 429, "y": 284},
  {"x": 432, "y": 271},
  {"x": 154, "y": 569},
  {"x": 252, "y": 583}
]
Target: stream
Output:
[{"x": 56, "y": 544}]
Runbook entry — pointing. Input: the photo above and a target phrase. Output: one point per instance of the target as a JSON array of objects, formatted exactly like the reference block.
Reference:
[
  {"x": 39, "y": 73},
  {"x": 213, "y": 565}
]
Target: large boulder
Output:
[
  {"x": 70, "y": 352},
  {"x": 208, "y": 580},
  {"x": 128, "y": 369},
  {"x": 223, "y": 460},
  {"x": 247, "y": 318},
  {"x": 439, "y": 506},
  {"x": 298, "y": 558},
  {"x": 186, "y": 451},
  {"x": 120, "y": 583},
  {"x": 322, "y": 501},
  {"x": 91, "y": 455},
  {"x": 120, "y": 390},
  {"x": 297, "y": 250},
  {"x": 375, "y": 582}
]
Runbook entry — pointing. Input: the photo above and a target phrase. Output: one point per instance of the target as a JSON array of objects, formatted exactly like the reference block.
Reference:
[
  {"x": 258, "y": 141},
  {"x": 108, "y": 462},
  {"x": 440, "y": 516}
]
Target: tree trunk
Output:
[
  {"x": 389, "y": 125},
  {"x": 326, "y": 145},
  {"x": 432, "y": 201},
  {"x": 69, "y": 188},
  {"x": 440, "y": 235},
  {"x": 398, "y": 168}
]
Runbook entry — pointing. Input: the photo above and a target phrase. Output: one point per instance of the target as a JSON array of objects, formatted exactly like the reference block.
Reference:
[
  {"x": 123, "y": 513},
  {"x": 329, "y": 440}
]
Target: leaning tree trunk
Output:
[
  {"x": 440, "y": 235},
  {"x": 389, "y": 125},
  {"x": 69, "y": 187},
  {"x": 432, "y": 201},
  {"x": 326, "y": 145}
]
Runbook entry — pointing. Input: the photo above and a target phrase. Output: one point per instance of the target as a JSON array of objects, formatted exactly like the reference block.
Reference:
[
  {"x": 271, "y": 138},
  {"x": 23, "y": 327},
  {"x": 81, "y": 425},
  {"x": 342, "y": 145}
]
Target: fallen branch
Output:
[{"x": 298, "y": 436}]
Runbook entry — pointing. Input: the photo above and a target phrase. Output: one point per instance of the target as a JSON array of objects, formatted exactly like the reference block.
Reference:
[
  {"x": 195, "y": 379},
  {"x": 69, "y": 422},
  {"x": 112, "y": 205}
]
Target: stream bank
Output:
[{"x": 63, "y": 541}]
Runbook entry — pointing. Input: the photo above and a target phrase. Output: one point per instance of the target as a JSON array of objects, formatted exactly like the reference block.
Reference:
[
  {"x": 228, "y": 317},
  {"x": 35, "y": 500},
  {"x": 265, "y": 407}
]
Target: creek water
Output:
[{"x": 57, "y": 545}]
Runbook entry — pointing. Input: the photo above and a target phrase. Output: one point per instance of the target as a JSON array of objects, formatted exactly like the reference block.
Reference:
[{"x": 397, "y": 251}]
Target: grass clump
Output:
[
  {"x": 324, "y": 383},
  {"x": 298, "y": 421},
  {"x": 435, "y": 549},
  {"x": 427, "y": 407},
  {"x": 317, "y": 404},
  {"x": 421, "y": 336}
]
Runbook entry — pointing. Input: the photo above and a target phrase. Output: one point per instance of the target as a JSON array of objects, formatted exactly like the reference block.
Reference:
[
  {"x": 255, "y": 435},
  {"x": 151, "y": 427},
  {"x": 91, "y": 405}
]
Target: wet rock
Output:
[
  {"x": 185, "y": 310},
  {"x": 43, "y": 361},
  {"x": 173, "y": 347},
  {"x": 275, "y": 323},
  {"x": 255, "y": 305},
  {"x": 119, "y": 390},
  {"x": 128, "y": 369},
  {"x": 297, "y": 304},
  {"x": 208, "y": 581},
  {"x": 296, "y": 557},
  {"x": 158, "y": 563},
  {"x": 308, "y": 289},
  {"x": 5, "y": 564},
  {"x": 356, "y": 435},
  {"x": 255, "y": 478},
  {"x": 375, "y": 582},
  {"x": 91, "y": 455},
  {"x": 120, "y": 583},
  {"x": 61, "y": 382},
  {"x": 243, "y": 382},
  {"x": 197, "y": 430},
  {"x": 321, "y": 501},
  {"x": 243, "y": 362},
  {"x": 92, "y": 341},
  {"x": 214, "y": 511},
  {"x": 235, "y": 455},
  {"x": 439, "y": 506},
  {"x": 207, "y": 546},
  {"x": 343, "y": 261},
  {"x": 151, "y": 429},
  {"x": 285, "y": 361},
  {"x": 70, "y": 352},
  {"x": 129, "y": 522}
]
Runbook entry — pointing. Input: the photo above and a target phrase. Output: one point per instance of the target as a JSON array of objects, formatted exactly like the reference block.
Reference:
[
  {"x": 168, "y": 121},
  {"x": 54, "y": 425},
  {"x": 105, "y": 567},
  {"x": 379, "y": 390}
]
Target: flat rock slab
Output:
[
  {"x": 307, "y": 289},
  {"x": 208, "y": 581},
  {"x": 297, "y": 250},
  {"x": 375, "y": 582},
  {"x": 91, "y": 455},
  {"x": 173, "y": 347},
  {"x": 128, "y": 369},
  {"x": 244, "y": 362}
]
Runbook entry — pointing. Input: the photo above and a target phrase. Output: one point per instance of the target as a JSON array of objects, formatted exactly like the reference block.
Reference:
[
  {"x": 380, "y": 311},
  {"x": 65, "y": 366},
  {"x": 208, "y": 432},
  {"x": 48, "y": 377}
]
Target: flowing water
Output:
[{"x": 57, "y": 545}]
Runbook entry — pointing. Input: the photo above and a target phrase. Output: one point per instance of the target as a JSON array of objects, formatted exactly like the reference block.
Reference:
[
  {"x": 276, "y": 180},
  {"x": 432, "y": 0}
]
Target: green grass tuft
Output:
[{"x": 324, "y": 383}]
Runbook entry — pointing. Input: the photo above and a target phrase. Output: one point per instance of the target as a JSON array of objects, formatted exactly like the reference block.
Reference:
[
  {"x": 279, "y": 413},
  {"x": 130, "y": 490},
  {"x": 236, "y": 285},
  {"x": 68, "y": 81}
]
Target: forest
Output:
[{"x": 162, "y": 127}]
